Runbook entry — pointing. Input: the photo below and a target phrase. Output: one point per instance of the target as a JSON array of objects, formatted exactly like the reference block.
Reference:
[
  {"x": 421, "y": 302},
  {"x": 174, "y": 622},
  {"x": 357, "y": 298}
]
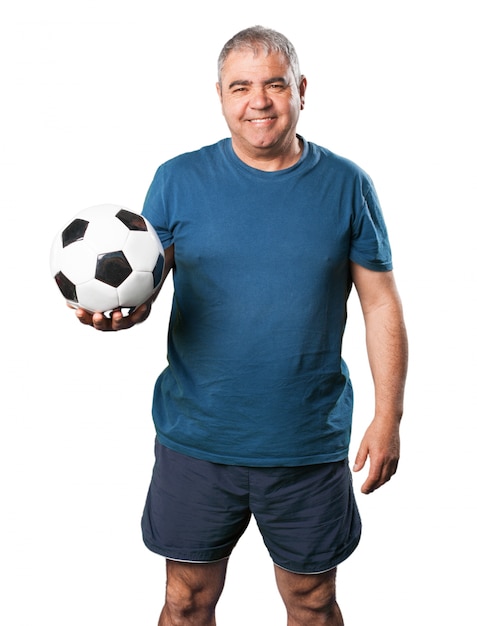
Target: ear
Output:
[
  {"x": 302, "y": 90},
  {"x": 219, "y": 91}
]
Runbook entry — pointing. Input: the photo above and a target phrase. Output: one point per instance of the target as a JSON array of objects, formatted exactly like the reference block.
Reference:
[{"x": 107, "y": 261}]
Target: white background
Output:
[{"x": 94, "y": 96}]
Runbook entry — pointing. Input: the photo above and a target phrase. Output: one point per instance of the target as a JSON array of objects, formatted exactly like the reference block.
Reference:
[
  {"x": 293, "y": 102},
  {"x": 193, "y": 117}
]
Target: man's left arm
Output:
[{"x": 386, "y": 342}]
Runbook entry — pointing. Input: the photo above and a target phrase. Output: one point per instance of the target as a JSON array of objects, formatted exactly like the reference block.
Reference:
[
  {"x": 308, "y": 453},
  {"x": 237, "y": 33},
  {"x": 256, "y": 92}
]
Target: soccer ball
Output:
[{"x": 107, "y": 258}]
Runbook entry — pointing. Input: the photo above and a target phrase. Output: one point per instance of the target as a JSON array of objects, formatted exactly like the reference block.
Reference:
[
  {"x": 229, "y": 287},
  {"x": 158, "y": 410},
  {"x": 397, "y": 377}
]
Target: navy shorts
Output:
[{"x": 196, "y": 511}]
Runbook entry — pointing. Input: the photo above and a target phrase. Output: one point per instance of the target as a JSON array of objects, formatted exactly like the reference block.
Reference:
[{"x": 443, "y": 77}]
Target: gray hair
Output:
[{"x": 258, "y": 38}]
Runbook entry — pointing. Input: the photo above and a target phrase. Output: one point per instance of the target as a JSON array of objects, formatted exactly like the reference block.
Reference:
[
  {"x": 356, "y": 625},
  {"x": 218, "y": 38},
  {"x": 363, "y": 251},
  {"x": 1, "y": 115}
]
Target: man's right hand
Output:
[{"x": 116, "y": 321}]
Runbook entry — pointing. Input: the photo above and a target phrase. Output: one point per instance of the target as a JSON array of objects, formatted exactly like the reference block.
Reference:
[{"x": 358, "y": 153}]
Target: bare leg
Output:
[
  {"x": 310, "y": 599},
  {"x": 192, "y": 593}
]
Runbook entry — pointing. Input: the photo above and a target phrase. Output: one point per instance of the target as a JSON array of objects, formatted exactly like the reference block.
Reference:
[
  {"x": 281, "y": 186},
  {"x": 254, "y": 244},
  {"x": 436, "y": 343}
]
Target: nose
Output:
[{"x": 259, "y": 99}]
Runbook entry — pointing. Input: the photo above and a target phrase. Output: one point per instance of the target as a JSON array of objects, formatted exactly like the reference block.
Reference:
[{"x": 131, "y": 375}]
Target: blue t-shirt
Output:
[{"x": 261, "y": 280}]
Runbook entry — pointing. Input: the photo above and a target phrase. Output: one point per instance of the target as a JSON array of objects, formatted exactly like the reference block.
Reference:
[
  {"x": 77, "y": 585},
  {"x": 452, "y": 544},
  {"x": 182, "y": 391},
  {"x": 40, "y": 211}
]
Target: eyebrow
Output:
[{"x": 269, "y": 81}]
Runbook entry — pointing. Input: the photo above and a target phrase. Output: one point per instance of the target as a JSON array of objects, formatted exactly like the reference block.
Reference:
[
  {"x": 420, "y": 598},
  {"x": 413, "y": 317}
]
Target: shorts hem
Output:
[
  {"x": 321, "y": 569},
  {"x": 182, "y": 558},
  {"x": 170, "y": 558}
]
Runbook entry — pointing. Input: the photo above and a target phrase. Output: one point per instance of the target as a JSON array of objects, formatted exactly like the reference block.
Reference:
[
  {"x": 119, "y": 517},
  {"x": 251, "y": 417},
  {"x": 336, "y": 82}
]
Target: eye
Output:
[{"x": 239, "y": 90}]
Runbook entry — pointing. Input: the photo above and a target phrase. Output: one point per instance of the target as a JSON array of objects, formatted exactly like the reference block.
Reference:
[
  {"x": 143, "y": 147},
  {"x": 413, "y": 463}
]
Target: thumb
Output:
[{"x": 360, "y": 460}]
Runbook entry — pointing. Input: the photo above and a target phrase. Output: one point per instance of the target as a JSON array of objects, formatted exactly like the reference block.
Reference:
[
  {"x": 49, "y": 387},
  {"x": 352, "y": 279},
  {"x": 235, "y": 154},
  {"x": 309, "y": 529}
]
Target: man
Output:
[{"x": 266, "y": 234}]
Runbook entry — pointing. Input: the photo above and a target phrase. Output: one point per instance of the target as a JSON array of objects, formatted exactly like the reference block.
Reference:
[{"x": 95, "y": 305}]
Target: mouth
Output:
[{"x": 261, "y": 121}]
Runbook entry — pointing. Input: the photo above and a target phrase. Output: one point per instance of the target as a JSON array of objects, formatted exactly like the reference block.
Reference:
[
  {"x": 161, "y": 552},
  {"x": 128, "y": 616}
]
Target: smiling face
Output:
[{"x": 261, "y": 103}]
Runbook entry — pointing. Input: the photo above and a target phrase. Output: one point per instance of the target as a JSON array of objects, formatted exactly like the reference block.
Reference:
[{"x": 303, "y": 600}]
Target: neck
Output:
[{"x": 270, "y": 161}]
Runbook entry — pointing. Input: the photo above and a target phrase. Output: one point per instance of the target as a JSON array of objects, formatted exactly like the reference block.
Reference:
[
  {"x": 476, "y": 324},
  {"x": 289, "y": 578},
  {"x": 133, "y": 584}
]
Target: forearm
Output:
[
  {"x": 387, "y": 346},
  {"x": 386, "y": 342}
]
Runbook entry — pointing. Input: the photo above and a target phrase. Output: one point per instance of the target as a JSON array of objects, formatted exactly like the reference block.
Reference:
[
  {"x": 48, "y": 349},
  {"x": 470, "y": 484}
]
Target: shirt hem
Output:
[{"x": 262, "y": 461}]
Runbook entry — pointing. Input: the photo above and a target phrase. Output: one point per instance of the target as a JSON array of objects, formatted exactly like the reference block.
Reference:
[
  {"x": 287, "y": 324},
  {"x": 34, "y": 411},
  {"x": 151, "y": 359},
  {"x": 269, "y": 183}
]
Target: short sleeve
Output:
[
  {"x": 370, "y": 245},
  {"x": 155, "y": 209}
]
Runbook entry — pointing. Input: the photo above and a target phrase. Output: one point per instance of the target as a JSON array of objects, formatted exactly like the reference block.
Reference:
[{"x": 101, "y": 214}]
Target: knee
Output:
[
  {"x": 192, "y": 592},
  {"x": 319, "y": 599},
  {"x": 311, "y": 599},
  {"x": 185, "y": 601}
]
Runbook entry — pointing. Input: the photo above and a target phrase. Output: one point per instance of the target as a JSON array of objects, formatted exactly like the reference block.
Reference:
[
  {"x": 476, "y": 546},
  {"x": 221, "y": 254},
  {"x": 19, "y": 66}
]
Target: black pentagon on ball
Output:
[
  {"x": 157, "y": 271},
  {"x": 66, "y": 287},
  {"x": 74, "y": 231},
  {"x": 132, "y": 220},
  {"x": 112, "y": 268}
]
